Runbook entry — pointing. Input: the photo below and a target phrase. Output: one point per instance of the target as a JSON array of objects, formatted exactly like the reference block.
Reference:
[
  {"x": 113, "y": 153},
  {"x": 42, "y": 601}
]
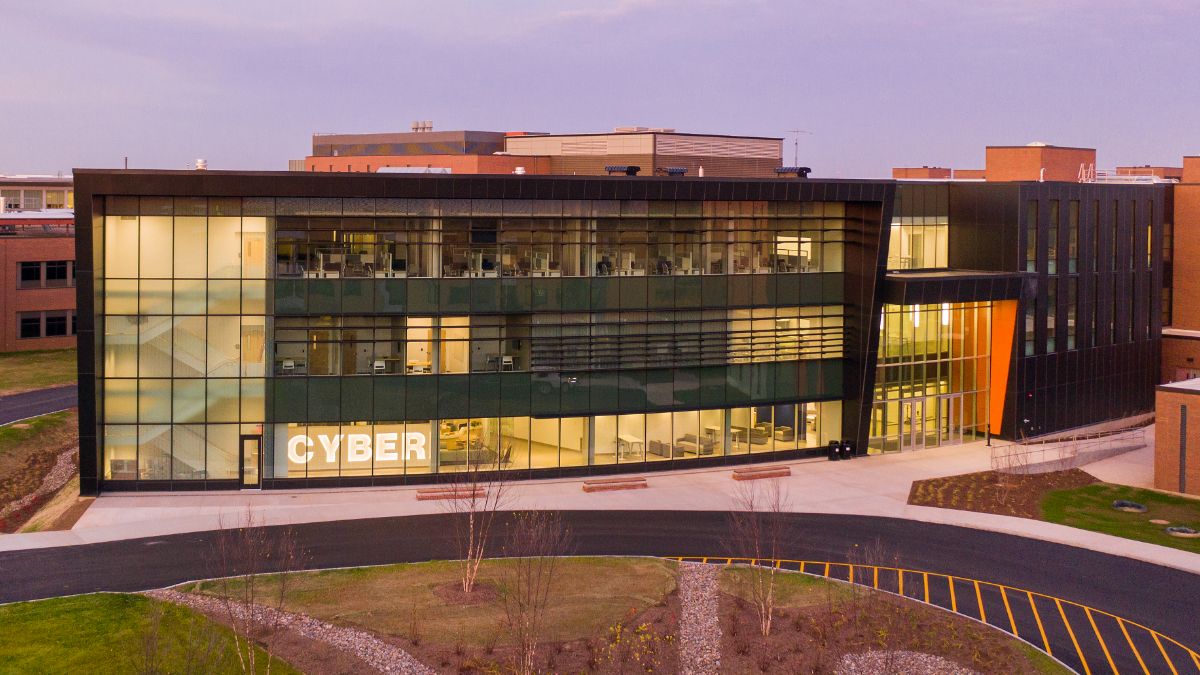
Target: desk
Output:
[
  {"x": 484, "y": 273},
  {"x": 632, "y": 273},
  {"x": 545, "y": 273},
  {"x": 630, "y": 446},
  {"x": 712, "y": 433},
  {"x": 419, "y": 367},
  {"x": 686, "y": 272}
]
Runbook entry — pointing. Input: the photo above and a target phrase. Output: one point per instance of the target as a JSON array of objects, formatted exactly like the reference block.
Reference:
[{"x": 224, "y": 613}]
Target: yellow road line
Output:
[
  {"x": 1163, "y": 650},
  {"x": 1107, "y": 654},
  {"x": 1070, "y": 631},
  {"x": 979, "y": 599},
  {"x": 1038, "y": 617},
  {"x": 927, "y": 588},
  {"x": 1132, "y": 646},
  {"x": 953, "y": 599},
  {"x": 1008, "y": 609}
]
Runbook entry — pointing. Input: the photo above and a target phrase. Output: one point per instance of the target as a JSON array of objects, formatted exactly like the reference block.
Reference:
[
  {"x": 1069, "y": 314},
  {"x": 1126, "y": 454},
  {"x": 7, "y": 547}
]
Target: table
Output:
[{"x": 630, "y": 446}]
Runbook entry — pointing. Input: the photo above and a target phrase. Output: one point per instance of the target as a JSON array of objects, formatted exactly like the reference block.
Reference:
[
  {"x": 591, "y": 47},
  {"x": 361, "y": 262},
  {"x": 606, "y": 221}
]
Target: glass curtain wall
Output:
[
  {"x": 184, "y": 322},
  {"x": 933, "y": 377},
  {"x": 920, "y": 229},
  {"x": 422, "y": 345},
  {"x": 550, "y": 238},
  {"x": 449, "y": 445}
]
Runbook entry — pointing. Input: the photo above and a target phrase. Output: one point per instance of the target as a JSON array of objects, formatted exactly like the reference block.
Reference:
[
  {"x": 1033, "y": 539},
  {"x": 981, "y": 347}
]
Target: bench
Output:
[
  {"x": 453, "y": 492},
  {"x": 757, "y": 472},
  {"x": 609, "y": 484}
]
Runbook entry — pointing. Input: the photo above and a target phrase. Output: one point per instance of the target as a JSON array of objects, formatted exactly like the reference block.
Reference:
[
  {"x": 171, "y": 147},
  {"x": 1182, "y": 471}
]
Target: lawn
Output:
[
  {"x": 26, "y": 371},
  {"x": 28, "y": 450},
  {"x": 591, "y": 594},
  {"x": 1090, "y": 508},
  {"x": 108, "y": 633}
]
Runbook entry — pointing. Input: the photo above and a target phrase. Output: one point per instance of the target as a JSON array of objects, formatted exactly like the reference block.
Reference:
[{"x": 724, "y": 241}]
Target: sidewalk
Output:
[{"x": 874, "y": 486}]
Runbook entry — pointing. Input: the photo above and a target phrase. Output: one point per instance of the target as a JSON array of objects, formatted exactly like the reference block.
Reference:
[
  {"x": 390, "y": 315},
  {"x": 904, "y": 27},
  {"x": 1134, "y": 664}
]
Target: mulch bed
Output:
[
  {"x": 644, "y": 642},
  {"x": 814, "y": 639},
  {"x": 992, "y": 492}
]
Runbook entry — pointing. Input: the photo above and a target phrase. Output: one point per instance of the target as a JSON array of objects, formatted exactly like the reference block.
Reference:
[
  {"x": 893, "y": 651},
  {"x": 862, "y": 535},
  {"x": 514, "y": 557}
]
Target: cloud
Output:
[{"x": 614, "y": 10}]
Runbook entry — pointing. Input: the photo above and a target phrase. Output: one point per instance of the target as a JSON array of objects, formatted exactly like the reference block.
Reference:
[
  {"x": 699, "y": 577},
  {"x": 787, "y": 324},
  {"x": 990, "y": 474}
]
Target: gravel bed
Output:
[
  {"x": 909, "y": 663},
  {"x": 699, "y": 619},
  {"x": 58, "y": 476},
  {"x": 384, "y": 657}
]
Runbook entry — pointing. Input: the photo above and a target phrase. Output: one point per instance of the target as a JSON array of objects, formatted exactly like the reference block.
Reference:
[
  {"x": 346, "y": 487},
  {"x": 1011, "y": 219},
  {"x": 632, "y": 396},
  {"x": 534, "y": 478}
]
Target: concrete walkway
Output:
[{"x": 876, "y": 486}]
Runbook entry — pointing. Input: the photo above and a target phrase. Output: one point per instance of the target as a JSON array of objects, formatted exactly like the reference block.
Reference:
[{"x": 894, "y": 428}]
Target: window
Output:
[
  {"x": 29, "y": 275},
  {"x": 1052, "y": 240},
  {"x": 56, "y": 324},
  {"x": 31, "y": 200},
  {"x": 56, "y": 273},
  {"x": 50, "y": 274},
  {"x": 1031, "y": 228},
  {"x": 31, "y": 324},
  {"x": 1051, "y": 315},
  {"x": 1073, "y": 236},
  {"x": 11, "y": 199},
  {"x": 1072, "y": 302},
  {"x": 60, "y": 323},
  {"x": 56, "y": 199}
]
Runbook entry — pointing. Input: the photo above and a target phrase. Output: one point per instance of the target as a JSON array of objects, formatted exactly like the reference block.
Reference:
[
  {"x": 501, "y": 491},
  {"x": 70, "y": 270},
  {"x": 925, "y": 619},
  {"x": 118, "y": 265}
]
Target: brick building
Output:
[{"x": 37, "y": 283}]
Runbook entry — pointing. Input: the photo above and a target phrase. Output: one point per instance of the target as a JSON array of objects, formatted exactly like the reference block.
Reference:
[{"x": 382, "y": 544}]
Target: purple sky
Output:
[{"x": 878, "y": 82}]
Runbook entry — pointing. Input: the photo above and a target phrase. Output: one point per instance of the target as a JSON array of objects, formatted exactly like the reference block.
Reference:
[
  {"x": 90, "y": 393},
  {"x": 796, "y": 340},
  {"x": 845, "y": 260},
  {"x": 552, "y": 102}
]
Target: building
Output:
[
  {"x": 471, "y": 152},
  {"x": 651, "y": 151},
  {"x": 304, "y": 329},
  {"x": 37, "y": 287},
  {"x": 1177, "y": 437},
  {"x": 654, "y": 152},
  {"x": 34, "y": 193},
  {"x": 1181, "y": 302}
]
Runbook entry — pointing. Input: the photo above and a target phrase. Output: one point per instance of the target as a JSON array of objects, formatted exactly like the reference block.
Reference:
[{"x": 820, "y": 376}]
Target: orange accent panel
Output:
[{"x": 1004, "y": 325}]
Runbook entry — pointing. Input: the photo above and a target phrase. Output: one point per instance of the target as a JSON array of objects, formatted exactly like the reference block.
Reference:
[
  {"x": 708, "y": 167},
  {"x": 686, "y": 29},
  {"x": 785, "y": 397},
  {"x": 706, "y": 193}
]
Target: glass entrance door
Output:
[
  {"x": 950, "y": 419},
  {"x": 251, "y": 461},
  {"x": 912, "y": 424}
]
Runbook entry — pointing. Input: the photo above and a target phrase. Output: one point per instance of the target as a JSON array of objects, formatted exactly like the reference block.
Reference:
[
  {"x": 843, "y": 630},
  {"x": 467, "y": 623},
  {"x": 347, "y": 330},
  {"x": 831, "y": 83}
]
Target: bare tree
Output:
[
  {"x": 476, "y": 495},
  {"x": 536, "y": 540},
  {"x": 757, "y": 531},
  {"x": 242, "y": 557}
]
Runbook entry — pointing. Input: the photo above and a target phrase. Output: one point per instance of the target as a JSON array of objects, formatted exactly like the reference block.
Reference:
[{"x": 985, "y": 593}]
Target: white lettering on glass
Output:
[
  {"x": 385, "y": 447},
  {"x": 293, "y": 449},
  {"x": 358, "y": 448}
]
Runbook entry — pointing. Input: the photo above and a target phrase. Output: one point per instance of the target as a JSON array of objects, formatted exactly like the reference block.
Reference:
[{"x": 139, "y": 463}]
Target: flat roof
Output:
[
  {"x": 1037, "y": 147},
  {"x": 40, "y": 214},
  {"x": 1191, "y": 386},
  {"x": 657, "y": 133}
]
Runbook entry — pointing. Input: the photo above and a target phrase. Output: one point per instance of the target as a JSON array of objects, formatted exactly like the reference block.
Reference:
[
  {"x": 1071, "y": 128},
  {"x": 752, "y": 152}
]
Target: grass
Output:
[
  {"x": 26, "y": 371},
  {"x": 28, "y": 450},
  {"x": 105, "y": 633},
  {"x": 792, "y": 591},
  {"x": 1090, "y": 508},
  {"x": 591, "y": 594},
  {"x": 55, "y": 426}
]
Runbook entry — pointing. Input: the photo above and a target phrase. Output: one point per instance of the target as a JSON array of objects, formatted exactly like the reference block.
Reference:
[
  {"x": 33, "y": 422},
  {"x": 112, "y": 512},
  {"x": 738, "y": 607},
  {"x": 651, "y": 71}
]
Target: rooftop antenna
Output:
[{"x": 796, "y": 144}]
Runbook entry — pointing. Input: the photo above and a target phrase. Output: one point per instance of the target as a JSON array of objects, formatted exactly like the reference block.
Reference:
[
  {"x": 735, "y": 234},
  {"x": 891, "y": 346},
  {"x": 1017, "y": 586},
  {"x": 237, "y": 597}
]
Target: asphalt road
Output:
[
  {"x": 1158, "y": 597},
  {"x": 39, "y": 402}
]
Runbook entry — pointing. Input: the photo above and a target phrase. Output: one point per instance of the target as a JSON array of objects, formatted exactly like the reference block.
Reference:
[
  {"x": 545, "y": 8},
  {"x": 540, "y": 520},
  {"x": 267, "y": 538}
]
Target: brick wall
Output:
[
  {"x": 1167, "y": 441},
  {"x": 13, "y": 300},
  {"x": 1025, "y": 162}
]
